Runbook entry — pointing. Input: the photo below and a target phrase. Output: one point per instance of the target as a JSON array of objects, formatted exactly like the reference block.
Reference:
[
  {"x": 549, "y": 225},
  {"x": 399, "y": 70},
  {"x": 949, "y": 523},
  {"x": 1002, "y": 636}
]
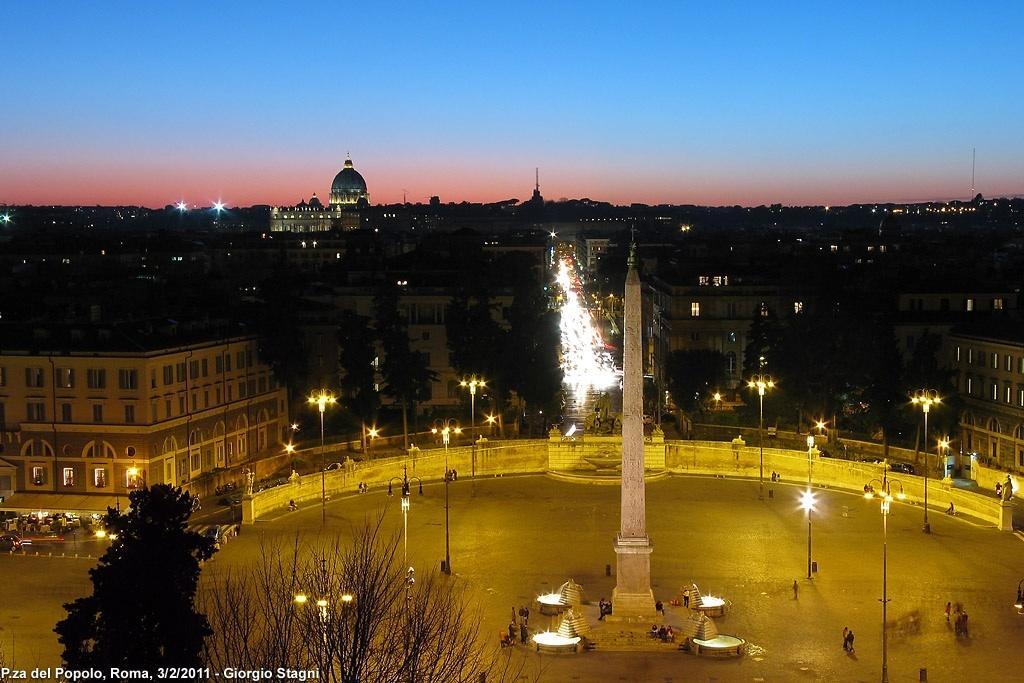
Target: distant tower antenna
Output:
[
  {"x": 974, "y": 153},
  {"x": 404, "y": 191},
  {"x": 536, "y": 172}
]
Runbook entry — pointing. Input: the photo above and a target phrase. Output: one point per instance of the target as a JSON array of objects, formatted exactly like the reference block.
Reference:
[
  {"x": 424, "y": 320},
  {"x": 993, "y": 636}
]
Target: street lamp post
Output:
[
  {"x": 447, "y": 427},
  {"x": 472, "y": 383},
  {"x": 405, "y": 480},
  {"x": 925, "y": 398},
  {"x": 321, "y": 400},
  {"x": 762, "y": 383},
  {"x": 807, "y": 500},
  {"x": 885, "y": 493}
]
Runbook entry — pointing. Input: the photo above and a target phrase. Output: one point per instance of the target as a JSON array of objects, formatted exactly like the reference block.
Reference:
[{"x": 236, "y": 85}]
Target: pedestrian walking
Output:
[
  {"x": 523, "y": 633},
  {"x": 949, "y": 606},
  {"x": 796, "y": 590},
  {"x": 846, "y": 638},
  {"x": 512, "y": 632},
  {"x": 686, "y": 598},
  {"x": 849, "y": 637},
  {"x": 659, "y": 608}
]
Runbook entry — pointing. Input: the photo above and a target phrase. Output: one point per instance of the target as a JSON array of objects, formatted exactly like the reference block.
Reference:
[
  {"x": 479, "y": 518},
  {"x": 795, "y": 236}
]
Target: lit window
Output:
[
  {"x": 995, "y": 361},
  {"x": 69, "y": 476},
  {"x": 969, "y": 305},
  {"x": 798, "y": 307},
  {"x": 995, "y": 391},
  {"x": 99, "y": 477},
  {"x": 957, "y": 354},
  {"x": 695, "y": 309},
  {"x": 1009, "y": 394},
  {"x": 764, "y": 310},
  {"x": 997, "y": 304},
  {"x": 37, "y": 475},
  {"x": 970, "y": 385}
]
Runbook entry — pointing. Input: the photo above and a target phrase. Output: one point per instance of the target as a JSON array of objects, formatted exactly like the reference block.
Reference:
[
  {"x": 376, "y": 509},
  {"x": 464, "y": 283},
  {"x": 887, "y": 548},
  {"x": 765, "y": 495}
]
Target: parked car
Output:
[
  {"x": 235, "y": 499},
  {"x": 904, "y": 467},
  {"x": 10, "y": 542}
]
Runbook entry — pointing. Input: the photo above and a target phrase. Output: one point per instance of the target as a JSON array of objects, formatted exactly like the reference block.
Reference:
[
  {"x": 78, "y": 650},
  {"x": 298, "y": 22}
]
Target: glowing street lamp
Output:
[
  {"x": 762, "y": 383},
  {"x": 820, "y": 426},
  {"x": 717, "y": 398},
  {"x": 406, "y": 482},
  {"x": 807, "y": 499},
  {"x": 181, "y": 206},
  {"x": 885, "y": 493},
  {"x": 472, "y": 383},
  {"x": 289, "y": 448},
  {"x": 925, "y": 398},
  {"x": 491, "y": 419},
  {"x": 218, "y": 206},
  {"x": 321, "y": 400},
  {"x": 446, "y": 429}
]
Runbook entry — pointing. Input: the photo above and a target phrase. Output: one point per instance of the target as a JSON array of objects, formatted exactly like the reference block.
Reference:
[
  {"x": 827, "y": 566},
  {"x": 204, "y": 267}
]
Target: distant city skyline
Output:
[{"x": 805, "y": 105}]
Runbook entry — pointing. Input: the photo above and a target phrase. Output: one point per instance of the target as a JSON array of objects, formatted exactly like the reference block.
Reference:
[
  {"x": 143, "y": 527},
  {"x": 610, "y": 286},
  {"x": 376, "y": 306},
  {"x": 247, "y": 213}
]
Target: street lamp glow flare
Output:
[{"x": 586, "y": 364}]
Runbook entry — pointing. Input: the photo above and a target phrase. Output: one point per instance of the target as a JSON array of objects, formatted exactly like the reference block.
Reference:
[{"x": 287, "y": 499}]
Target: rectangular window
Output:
[
  {"x": 99, "y": 477},
  {"x": 195, "y": 406},
  {"x": 97, "y": 412},
  {"x": 969, "y": 304},
  {"x": 129, "y": 413},
  {"x": 96, "y": 378},
  {"x": 36, "y": 412},
  {"x": 994, "y": 393},
  {"x": 694, "y": 309},
  {"x": 65, "y": 412},
  {"x": 1020, "y": 398},
  {"x": 34, "y": 378},
  {"x": 167, "y": 408},
  {"x": 204, "y": 366},
  {"x": 997, "y": 303},
  {"x": 69, "y": 476},
  {"x": 3, "y": 376},
  {"x": 193, "y": 369},
  {"x": 152, "y": 379},
  {"x": 958, "y": 353},
  {"x": 127, "y": 379},
  {"x": 1008, "y": 363},
  {"x": 182, "y": 408},
  {"x": 248, "y": 358},
  {"x": 241, "y": 389},
  {"x": 217, "y": 394},
  {"x": 798, "y": 307},
  {"x": 252, "y": 387},
  {"x": 240, "y": 360},
  {"x": 231, "y": 393},
  {"x": 37, "y": 475},
  {"x": 179, "y": 371},
  {"x": 133, "y": 477},
  {"x": 262, "y": 383},
  {"x": 1008, "y": 394},
  {"x": 218, "y": 364},
  {"x": 995, "y": 361},
  {"x": 168, "y": 374},
  {"x": 206, "y": 398},
  {"x": 970, "y": 355},
  {"x": 970, "y": 386},
  {"x": 65, "y": 378},
  {"x": 227, "y": 362}
]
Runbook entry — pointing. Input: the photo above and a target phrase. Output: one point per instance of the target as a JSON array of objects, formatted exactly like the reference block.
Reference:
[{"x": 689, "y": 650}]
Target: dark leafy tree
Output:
[
  {"x": 693, "y": 375},
  {"x": 357, "y": 341},
  {"x": 280, "y": 342},
  {"x": 406, "y": 372},
  {"x": 531, "y": 364},
  {"x": 142, "y": 614}
]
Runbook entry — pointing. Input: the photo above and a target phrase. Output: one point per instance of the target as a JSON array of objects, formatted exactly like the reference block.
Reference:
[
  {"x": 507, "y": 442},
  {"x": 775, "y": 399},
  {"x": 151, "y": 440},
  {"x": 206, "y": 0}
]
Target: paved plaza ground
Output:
[{"x": 515, "y": 537}]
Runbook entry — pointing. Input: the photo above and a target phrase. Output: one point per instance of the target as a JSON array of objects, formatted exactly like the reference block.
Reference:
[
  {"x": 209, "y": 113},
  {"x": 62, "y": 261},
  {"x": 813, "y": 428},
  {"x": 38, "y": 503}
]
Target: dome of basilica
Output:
[{"x": 348, "y": 184}]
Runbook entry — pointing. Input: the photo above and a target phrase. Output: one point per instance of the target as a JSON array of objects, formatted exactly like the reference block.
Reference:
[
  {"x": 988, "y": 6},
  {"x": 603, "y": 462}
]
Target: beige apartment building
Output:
[
  {"x": 122, "y": 408},
  {"x": 989, "y": 376}
]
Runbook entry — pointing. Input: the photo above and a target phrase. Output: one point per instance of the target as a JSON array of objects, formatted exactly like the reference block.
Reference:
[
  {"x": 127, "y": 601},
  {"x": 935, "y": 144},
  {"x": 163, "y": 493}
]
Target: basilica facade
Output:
[{"x": 348, "y": 196}]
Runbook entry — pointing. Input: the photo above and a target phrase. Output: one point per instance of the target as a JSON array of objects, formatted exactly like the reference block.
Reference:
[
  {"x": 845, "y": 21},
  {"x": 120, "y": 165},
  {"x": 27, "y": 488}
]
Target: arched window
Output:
[
  {"x": 968, "y": 418},
  {"x": 993, "y": 425},
  {"x": 34, "y": 448},
  {"x": 98, "y": 449},
  {"x": 195, "y": 438},
  {"x": 1018, "y": 432},
  {"x": 170, "y": 445}
]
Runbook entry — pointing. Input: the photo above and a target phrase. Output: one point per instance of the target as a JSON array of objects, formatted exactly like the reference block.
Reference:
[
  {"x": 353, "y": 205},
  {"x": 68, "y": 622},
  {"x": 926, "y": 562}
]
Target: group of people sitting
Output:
[
  {"x": 663, "y": 633},
  {"x": 604, "y": 608}
]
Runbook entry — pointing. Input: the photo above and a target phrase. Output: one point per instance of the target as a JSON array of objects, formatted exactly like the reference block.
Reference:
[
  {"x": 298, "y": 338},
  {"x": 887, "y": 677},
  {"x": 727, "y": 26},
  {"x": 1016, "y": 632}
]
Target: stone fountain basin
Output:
[{"x": 605, "y": 462}]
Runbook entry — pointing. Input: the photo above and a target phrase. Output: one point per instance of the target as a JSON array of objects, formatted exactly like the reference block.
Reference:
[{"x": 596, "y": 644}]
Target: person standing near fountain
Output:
[{"x": 633, "y": 597}]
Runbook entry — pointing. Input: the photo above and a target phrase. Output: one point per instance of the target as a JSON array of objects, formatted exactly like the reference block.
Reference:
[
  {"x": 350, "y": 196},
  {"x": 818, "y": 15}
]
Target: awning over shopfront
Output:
[{"x": 61, "y": 502}]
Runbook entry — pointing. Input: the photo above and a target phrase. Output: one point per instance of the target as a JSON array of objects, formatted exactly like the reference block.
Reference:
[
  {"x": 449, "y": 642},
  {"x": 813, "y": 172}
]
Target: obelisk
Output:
[{"x": 633, "y": 597}]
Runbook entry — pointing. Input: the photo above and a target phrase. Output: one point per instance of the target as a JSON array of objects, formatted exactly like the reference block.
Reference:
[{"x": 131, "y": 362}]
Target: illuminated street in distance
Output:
[{"x": 586, "y": 363}]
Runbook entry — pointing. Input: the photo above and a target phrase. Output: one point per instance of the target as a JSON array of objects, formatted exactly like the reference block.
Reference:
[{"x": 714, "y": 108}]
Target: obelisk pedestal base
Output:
[{"x": 633, "y": 599}]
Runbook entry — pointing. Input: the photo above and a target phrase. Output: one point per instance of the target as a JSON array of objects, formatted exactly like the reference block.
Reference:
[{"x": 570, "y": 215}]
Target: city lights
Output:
[{"x": 586, "y": 364}]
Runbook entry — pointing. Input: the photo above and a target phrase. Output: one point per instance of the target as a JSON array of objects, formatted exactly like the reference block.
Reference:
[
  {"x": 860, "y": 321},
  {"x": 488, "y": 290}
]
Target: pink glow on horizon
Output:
[{"x": 286, "y": 183}]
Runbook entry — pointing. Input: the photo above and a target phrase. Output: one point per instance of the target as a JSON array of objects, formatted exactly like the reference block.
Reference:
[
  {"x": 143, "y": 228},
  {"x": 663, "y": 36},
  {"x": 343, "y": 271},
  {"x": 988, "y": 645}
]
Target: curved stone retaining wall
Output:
[{"x": 679, "y": 457}]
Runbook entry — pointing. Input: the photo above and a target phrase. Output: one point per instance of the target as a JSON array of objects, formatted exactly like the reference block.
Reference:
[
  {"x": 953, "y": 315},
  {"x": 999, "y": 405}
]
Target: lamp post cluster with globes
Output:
[
  {"x": 406, "y": 482},
  {"x": 925, "y": 398},
  {"x": 885, "y": 494},
  {"x": 321, "y": 400},
  {"x": 446, "y": 428},
  {"x": 807, "y": 500},
  {"x": 472, "y": 383},
  {"x": 346, "y": 600},
  {"x": 762, "y": 383}
]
